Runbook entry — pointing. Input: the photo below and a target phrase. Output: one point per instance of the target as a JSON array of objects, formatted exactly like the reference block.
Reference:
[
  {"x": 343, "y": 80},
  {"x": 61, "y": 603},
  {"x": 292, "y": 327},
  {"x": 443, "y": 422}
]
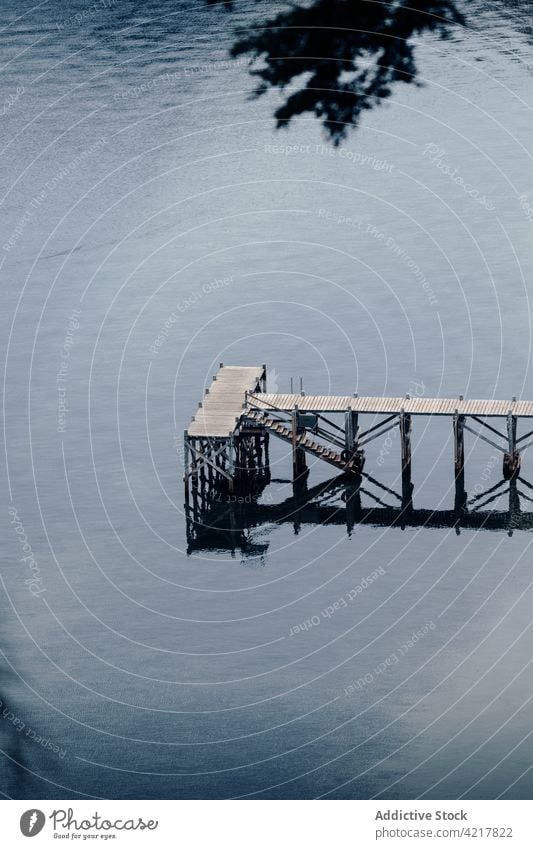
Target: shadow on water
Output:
[
  {"x": 12, "y": 771},
  {"x": 225, "y": 522}
]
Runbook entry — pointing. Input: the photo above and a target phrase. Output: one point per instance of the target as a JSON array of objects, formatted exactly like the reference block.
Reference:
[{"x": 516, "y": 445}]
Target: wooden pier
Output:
[{"x": 226, "y": 444}]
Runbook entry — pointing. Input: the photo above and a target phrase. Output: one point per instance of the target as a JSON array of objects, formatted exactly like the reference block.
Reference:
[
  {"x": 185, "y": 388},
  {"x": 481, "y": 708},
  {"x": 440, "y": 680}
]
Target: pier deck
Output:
[
  {"x": 222, "y": 406},
  {"x": 391, "y": 406}
]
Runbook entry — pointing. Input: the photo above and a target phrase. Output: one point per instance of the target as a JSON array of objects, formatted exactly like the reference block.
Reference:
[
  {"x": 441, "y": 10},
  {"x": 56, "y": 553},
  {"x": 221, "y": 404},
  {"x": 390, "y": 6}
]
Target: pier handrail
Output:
[{"x": 272, "y": 406}]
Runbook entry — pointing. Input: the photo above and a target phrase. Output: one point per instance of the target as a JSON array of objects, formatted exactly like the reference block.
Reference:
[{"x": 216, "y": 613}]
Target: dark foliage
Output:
[{"x": 341, "y": 56}]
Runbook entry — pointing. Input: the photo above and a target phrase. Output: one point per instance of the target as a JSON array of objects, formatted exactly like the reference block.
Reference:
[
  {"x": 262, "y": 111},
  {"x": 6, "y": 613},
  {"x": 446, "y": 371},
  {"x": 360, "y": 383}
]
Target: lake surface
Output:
[{"x": 139, "y": 181}]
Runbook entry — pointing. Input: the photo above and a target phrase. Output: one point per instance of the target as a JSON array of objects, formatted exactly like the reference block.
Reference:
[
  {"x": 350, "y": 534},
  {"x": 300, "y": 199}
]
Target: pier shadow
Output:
[
  {"x": 225, "y": 522},
  {"x": 12, "y": 767}
]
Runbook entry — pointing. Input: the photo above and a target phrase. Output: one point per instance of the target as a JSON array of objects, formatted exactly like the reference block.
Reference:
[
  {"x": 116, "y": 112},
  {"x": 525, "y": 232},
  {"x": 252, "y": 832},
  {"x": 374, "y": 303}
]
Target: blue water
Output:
[{"x": 139, "y": 180}]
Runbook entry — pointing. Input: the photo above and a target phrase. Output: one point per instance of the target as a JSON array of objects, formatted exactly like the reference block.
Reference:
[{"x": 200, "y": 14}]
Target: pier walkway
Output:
[
  {"x": 227, "y": 441},
  {"x": 222, "y": 407}
]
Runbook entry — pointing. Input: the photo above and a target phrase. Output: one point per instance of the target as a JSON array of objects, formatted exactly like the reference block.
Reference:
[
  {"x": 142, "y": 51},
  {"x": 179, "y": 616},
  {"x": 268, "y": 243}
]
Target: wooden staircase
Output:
[{"x": 351, "y": 465}]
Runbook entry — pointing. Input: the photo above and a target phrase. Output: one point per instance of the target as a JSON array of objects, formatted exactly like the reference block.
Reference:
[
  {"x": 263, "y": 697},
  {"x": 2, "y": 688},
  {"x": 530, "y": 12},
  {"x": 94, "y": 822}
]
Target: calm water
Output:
[{"x": 139, "y": 181}]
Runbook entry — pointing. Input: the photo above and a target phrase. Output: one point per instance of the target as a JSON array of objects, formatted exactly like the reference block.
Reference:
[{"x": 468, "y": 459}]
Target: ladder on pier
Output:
[{"x": 344, "y": 464}]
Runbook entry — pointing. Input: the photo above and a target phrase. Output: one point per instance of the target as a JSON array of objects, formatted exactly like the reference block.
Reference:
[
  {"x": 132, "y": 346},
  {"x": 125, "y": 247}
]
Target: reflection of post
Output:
[
  {"x": 192, "y": 517},
  {"x": 405, "y": 439},
  {"x": 259, "y": 452},
  {"x": 353, "y": 506},
  {"x": 514, "y": 506},
  {"x": 459, "y": 461},
  {"x": 300, "y": 498},
  {"x": 230, "y": 447},
  {"x": 233, "y": 534}
]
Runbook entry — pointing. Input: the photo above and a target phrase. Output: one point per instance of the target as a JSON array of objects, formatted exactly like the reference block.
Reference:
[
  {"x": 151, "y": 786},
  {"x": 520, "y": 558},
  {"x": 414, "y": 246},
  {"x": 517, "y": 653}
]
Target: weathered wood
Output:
[
  {"x": 511, "y": 458},
  {"x": 299, "y": 465},
  {"x": 222, "y": 406},
  {"x": 393, "y": 406},
  {"x": 459, "y": 462},
  {"x": 351, "y": 430},
  {"x": 405, "y": 443},
  {"x": 459, "y": 443}
]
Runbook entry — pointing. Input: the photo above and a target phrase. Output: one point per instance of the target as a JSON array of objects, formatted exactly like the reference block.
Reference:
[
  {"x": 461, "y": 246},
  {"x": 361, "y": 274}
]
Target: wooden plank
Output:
[
  {"x": 223, "y": 405},
  {"x": 485, "y": 408}
]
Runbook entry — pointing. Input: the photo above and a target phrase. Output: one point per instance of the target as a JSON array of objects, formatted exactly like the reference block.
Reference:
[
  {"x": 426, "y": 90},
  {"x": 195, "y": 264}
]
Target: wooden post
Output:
[
  {"x": 210, "y": 470},
  {"x": 459, "y": 443},
  {"x": 294, "y": 419},
  {"x": 511, "y": 459},
  {"x": 205, "y": 452},
  {"x": 266, "y": 467},
  {"x": 264, "y": 378},
  {"x": 405, "y": 440},
  {"x": 194, "y": 465},
  {"x": 231, "y": 463},
  {"x": 351, "y": 431},
  {"x": 186, "y": 454},
  {"x": 299, "y": 466},
  {"x": 459, "y": 461},
  {"x": 350, "y": 455}
]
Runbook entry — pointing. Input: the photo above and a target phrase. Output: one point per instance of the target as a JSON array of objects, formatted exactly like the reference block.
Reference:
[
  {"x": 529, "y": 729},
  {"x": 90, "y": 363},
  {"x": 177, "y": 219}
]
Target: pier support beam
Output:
[
  {"x": 405, "y": 440},
  {"x": 351, "y": 431},
  {"x": 351, "y": 435},
  {"x": 299, "y": 465},
  {"x": 352, "y": 456},
  {"x": 186, "y": 456},
  {"x": 459, "y": 461},
  {"x": 511, "y": 458},
  {"x": 231, "y": 464}
]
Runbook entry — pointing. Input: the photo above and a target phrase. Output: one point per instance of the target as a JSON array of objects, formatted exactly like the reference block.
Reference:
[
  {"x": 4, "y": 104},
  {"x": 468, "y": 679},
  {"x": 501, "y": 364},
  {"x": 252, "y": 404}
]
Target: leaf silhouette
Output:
[{"x": 342, "y": 57}]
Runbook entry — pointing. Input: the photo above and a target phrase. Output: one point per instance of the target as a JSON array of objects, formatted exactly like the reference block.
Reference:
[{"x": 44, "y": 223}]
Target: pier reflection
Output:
[{"x": 226, "y": 521}]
